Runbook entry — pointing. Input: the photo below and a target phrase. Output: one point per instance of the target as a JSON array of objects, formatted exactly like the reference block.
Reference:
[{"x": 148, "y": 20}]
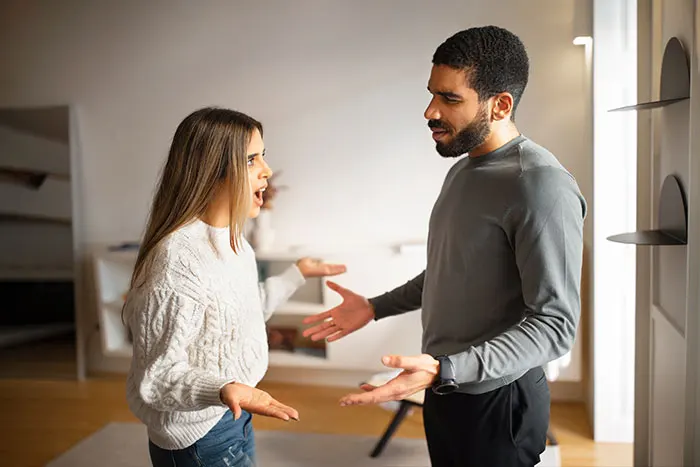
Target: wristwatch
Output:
[{"x": 446, "y": 381}]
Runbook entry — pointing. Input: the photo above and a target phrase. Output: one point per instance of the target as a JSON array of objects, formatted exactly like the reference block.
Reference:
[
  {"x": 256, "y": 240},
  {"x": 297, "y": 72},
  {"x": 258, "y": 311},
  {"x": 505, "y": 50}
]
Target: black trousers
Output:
[{"x": 506, "y": 427}]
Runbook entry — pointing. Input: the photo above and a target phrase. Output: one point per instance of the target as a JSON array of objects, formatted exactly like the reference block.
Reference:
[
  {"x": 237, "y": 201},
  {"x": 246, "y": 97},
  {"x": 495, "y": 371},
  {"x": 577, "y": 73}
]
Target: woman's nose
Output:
[{"x": 267, "y": 171}]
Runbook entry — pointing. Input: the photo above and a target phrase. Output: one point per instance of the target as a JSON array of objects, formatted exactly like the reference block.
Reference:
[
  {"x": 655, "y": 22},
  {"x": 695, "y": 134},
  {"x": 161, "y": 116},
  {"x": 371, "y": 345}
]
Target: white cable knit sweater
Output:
[{"x": 197, "y": 324}]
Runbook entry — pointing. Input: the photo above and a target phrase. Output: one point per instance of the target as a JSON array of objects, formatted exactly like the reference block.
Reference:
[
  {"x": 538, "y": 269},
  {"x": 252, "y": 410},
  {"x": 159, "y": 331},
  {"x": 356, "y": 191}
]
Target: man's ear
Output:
[{"x": 502, "y": 106}]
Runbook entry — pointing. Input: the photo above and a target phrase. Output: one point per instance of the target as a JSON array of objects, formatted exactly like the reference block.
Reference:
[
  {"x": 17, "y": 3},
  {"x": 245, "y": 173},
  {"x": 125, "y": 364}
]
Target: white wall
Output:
[{"x": 340, "y": 87}]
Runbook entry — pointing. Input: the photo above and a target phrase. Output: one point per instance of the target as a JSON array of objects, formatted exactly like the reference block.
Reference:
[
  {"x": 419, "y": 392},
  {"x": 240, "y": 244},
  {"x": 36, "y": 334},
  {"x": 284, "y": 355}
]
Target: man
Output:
[{"x": 500, "y": 295}]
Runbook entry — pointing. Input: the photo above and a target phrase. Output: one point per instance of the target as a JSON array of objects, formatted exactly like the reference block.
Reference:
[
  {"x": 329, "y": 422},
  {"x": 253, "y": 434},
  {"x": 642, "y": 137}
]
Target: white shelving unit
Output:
[
  {"x": 370, "y": 272},
  {"x": 37, "y": 247},
  {"x": 294, "y": 307},
  {"x": 112, "y": 271}
]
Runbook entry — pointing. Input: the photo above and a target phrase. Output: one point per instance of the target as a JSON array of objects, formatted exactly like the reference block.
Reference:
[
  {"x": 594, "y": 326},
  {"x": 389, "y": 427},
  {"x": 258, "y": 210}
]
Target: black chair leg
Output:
[{"x": 389, "y": 432}]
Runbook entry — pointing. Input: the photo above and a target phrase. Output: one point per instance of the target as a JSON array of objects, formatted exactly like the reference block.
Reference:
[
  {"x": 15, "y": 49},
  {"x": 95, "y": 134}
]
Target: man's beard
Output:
[{"x": 466, "y": 140}]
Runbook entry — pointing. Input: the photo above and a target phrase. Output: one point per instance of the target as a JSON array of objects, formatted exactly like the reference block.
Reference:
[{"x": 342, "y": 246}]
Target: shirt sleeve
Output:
[
  {"x": 545, "y": 227},
  {"x": 402, "y": 299}
]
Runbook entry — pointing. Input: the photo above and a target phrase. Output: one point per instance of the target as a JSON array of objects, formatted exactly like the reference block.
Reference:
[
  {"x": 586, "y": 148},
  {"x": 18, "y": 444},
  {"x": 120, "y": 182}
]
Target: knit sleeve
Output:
[
  {"x": 275, "y": 290},
  {"x": 167, "y": 324}
]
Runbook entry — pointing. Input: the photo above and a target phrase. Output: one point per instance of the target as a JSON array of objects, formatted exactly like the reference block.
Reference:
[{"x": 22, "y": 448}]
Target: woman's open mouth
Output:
[{"x": 258, "y": 197}]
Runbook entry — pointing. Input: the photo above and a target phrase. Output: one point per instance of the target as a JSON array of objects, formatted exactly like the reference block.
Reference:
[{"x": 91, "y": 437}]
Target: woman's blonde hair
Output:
[{"x": 209, "y": 148}]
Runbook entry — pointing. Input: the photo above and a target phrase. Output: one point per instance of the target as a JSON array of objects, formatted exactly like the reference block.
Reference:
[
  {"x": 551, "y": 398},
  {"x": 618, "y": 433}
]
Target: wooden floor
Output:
[{"x": 44, "y": 416}]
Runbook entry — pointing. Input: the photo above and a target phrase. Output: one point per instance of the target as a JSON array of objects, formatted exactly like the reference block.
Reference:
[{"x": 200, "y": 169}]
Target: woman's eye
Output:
[{"x": 251, "y": 161}]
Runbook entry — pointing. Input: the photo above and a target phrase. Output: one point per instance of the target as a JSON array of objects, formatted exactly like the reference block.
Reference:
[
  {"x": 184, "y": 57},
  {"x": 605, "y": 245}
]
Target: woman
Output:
[{"x": 195, "y": 307}]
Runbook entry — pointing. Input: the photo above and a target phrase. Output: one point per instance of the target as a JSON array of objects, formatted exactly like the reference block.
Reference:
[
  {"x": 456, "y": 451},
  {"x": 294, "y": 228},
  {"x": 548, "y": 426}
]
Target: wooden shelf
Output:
[
  {"x": 34, "y": 219},
  {"x": 30, "y": 274},
  {"x": 300, "y": 308}
]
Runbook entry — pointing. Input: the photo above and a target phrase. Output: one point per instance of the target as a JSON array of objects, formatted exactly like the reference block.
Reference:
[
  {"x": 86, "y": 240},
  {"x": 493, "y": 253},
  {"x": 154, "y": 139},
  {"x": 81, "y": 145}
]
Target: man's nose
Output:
[{"x": 431, "y": 112}]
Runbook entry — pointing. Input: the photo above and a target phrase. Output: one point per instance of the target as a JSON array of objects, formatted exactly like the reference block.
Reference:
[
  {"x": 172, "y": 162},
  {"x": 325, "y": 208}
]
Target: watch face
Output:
[{"x": 444, "y": 388}]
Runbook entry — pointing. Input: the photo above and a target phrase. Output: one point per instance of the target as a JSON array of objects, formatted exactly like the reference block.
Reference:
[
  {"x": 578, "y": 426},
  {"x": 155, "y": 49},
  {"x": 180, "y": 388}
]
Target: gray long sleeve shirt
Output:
[{"x": 501, "y": 291}]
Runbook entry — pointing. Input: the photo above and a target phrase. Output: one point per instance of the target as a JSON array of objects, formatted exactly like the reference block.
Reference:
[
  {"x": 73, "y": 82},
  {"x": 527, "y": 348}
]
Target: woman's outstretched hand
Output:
[
  {"x": 310, "y": 267},
  {"x": 240, "y": 397}
]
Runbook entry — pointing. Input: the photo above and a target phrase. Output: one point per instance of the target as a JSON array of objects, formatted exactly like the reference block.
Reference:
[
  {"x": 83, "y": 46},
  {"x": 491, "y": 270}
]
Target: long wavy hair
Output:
[{"x": 209, "y": 148}]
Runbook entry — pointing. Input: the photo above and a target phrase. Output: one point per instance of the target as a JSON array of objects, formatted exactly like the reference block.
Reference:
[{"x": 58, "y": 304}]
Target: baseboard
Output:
[{"x": 566, "y": 391}]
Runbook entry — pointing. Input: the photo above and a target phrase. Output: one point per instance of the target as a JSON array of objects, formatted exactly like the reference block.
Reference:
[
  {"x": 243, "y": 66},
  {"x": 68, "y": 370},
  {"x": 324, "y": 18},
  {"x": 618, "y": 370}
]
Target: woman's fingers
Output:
[
  {"x": 293, "y": 414},
  {"x": 236, "y": 409}
]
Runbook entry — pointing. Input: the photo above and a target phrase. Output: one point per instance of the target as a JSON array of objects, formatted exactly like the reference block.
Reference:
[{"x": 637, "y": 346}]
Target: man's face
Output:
[{"x": 458, "y": 121}]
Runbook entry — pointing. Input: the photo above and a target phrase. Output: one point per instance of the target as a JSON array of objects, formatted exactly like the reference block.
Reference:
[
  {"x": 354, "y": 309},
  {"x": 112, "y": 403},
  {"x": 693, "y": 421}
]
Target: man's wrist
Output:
[{"x": 372, "y": 309}]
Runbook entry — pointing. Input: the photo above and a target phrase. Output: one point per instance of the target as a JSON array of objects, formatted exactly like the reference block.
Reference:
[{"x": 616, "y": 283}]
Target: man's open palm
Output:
[
  {"x": 418, "y": 374},
  {"x": 354, "y": 313}
]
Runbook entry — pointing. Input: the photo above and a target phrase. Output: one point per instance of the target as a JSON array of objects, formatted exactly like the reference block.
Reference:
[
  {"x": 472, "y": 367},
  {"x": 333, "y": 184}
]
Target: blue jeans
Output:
[{"x": 229, "y": 444}]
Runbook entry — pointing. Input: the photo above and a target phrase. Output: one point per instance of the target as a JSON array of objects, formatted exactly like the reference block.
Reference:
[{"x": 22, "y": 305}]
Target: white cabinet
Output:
[
  {"x": 112, "y": 270},
  {"x": 371, "y": 271}
]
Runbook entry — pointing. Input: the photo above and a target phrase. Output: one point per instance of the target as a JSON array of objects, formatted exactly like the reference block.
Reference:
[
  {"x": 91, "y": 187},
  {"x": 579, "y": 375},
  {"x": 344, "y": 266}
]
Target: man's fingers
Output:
[
  {"x": 337, "y": 288},
  {"x": 392, "y": 390},
  {"x": 324, "y": 333},
  {"x": 316, "y": 318},
  {"x": 320, "y": 331},
  {"x": 406, "y": 363},
  {"x": 338, "y": 335},
  {"x": 387, "y": 392}
]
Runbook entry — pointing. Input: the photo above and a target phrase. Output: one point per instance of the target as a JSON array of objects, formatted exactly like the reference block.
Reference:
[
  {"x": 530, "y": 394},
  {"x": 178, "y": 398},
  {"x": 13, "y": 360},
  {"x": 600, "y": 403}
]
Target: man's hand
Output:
[
  {"x": 354, "y": 313},
  {"x": 239, "y": 396},
  {"x": 310, "y": 267},
  {"x": 418, "y": 373}
]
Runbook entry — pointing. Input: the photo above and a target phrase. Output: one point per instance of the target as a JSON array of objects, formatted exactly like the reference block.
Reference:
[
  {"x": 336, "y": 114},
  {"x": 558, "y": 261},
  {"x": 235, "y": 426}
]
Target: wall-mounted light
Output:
[{"x": 583, "y": 40}]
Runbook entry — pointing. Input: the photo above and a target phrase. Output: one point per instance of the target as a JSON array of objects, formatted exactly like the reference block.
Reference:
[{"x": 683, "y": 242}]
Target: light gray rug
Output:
[{"x": 125, "y": 445}]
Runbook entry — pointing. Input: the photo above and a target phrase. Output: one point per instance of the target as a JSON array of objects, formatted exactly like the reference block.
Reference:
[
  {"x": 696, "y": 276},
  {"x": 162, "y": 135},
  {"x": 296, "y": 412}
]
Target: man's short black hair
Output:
[{"x": 494, "y": 58}]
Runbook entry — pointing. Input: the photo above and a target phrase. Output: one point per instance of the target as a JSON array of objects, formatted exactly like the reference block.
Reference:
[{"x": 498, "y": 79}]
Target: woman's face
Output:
[{"x": 258, "y": 172}]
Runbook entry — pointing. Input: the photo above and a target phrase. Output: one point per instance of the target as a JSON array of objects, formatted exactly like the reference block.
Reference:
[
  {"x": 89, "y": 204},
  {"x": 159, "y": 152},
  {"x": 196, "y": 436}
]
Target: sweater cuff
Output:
[
  {"x": 293, "y": 276},
  {"x": 208, "y": 389}
]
